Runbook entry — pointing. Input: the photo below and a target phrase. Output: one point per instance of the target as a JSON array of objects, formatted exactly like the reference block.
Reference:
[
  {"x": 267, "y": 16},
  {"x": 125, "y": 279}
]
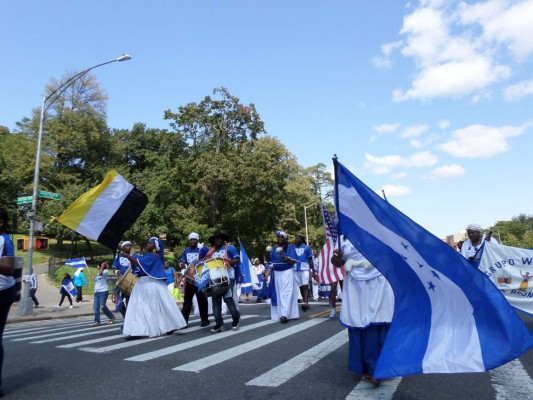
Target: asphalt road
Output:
[{"x": 304, "y": 359}]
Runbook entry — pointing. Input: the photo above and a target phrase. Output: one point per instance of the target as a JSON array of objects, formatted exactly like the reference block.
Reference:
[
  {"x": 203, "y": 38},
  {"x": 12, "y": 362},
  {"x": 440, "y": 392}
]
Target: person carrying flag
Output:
[
  {"x": 188, "y": 259},
  {"x": 101, "y": 292},
  {"x": 367, "y": 309},
  {"x": 283, "y": 287},
  {"x": 79, "y": 282},
  {"x": 471, "y": 248},
  {"x": 67, "y": 290},
  {"x": 302, "y": 268}
]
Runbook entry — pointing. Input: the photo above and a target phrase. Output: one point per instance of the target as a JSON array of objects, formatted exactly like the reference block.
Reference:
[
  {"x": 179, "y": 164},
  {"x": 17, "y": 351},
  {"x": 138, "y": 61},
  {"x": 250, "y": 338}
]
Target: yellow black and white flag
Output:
[{"x": 107, "y": 211}]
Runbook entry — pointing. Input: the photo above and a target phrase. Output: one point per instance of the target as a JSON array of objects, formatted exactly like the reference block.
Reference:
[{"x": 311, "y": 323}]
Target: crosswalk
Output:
[{"x": 510, "y": 381}]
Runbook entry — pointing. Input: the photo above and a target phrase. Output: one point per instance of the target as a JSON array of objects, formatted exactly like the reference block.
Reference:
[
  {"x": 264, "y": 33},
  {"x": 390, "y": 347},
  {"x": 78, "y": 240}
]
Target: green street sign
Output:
[
  {"x": 24, "y": 200},
  {"x": 48, "y": 195}
]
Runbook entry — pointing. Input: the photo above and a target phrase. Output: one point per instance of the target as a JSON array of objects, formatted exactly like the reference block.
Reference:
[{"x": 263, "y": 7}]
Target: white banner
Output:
[{"x": 510, "y": 268}]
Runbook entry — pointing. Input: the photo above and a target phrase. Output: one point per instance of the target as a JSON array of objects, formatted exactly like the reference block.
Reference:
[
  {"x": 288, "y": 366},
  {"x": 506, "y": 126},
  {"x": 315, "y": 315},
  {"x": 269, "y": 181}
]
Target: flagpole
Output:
[{"x": 336, "y": 199}]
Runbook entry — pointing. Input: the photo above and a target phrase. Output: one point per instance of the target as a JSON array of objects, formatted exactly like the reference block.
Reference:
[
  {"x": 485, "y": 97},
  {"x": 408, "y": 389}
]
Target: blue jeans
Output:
[{"x": 100, "y": 299}]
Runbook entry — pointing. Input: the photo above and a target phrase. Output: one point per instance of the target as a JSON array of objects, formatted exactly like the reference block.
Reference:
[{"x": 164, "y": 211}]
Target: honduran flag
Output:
[
  {"x": 249, "y": 277},
  {"x": 107, "y": 211},
  {"x": 448, "y": 316},
  {"x": 70, "y": 288},
  {"x": 77, "y": 262}
]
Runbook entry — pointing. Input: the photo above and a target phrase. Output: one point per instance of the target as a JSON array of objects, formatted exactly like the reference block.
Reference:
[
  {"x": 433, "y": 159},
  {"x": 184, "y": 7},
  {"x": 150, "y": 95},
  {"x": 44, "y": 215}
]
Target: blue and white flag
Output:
[
  {"x": 70, "y": 288},
  {"x": 249, "y": 277},
  {"x": 77, "y": 262},
  {"x": 448, "y": 316}
]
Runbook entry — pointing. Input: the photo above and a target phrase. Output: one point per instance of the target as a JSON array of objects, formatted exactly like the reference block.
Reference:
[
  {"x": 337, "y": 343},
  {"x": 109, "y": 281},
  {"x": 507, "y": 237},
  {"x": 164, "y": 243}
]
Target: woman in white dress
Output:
[{"x": 151, "y": 309}]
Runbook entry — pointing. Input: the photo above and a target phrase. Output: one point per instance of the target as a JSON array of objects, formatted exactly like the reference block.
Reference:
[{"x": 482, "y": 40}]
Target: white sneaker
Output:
[
  {"x": 58, "y": 306},
  {"x": 333, "y": 313},
  {"x": 70, "y": 307}
]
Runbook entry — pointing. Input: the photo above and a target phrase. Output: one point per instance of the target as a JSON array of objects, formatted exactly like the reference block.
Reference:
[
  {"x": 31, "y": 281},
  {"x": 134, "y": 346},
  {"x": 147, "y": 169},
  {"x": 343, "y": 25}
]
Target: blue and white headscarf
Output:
[
  {"x": 158, "y": 246},
  {"x": 282, "y": 234}
]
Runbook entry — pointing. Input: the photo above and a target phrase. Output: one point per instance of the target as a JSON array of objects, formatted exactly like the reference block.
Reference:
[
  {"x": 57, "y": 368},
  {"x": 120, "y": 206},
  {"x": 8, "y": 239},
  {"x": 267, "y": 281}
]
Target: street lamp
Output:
[
  {"x": 26, "y": 305},
  {"x": 305, "y": 219}
]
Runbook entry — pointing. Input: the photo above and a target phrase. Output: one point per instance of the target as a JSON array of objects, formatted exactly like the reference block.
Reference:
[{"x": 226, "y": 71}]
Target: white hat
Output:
[
  {"x": 194, "y": 235},
  {"x": 126, "y": 243},
  {"x": 474, "y": 227}
]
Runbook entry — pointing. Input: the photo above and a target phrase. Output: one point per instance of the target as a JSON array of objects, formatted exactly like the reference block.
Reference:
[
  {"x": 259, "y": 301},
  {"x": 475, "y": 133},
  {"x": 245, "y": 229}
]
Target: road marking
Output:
[
  {"x": 33, "y": 331},
  {"x": 217, "y": 358},
  {"x": 366, "y": 391},
  {"x": 324, "y": 313},
  {"x": 92, "y": 341},
  {"x": 289, "y": 369},
  {"x": 57, "y": 339},
  {"x": 96, "y": 328},
  {"x": 511, "y": 381},
  {"x": 198, "y": 342}
]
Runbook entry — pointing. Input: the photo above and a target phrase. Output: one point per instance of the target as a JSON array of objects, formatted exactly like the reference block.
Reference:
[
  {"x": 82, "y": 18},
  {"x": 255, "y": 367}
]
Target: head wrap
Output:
[
  {"x": 194, "y": 235},
  {"x": 158, "y": 245},
  {"x": 126, "y": 243},
  {"x": 474, "y": 227},
  {"x": 282, "y": 234}
]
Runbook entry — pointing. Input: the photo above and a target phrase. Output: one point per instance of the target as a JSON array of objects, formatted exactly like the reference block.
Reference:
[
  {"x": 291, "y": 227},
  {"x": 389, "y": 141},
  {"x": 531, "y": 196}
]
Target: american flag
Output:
[{"x": 327, "y": 272}]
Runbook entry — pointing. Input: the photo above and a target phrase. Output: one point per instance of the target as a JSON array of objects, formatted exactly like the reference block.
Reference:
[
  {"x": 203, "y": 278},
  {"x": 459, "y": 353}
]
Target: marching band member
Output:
[
  {"x": 284, "y": 300},
  {"x": 151, "y": 310},
  {"x": 367, "y": 310},
  {"x": 190, "y": 256},
  {"x": 302, "y": 267},
  {"x": 221, "y": 249}
]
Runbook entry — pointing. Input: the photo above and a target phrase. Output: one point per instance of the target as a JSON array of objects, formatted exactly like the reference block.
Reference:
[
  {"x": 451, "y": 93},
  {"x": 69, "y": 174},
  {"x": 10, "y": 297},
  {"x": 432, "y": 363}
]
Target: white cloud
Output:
[
  {"x": 384, "y": 165},
  {"x": 413, "y": 131},
  {"x": 384, "y": 62},
  {"x": 518, "y": 91},
  {"x": 386, "y": 128},
  {"x": 444, "y": 124},
  {"x": 476, "y": 141},
  {"x": 453, "y": 171},
  {"x": 395, "y": 190},
  {"x": 508, "y": 23},
  {"x": 456, "y": 46}
]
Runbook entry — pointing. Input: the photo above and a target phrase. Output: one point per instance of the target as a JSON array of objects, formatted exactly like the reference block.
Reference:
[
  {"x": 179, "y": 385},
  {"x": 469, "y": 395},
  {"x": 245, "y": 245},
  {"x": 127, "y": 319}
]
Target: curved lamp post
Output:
[{"x": 26, "y": 304}]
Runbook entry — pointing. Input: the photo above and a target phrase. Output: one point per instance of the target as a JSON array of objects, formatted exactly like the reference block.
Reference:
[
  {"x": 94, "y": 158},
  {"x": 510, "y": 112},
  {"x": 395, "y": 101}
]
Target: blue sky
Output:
[{"x": 429, "y": 100}]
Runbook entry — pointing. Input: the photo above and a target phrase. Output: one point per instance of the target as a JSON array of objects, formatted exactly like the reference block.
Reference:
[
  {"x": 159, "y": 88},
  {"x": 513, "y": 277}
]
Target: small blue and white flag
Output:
[
  {"x": 249, "y": 277},
  {"x": 448, "y": 316},
  {"x": 77, "y": 262},
  {"x": 70, "y": 288}
]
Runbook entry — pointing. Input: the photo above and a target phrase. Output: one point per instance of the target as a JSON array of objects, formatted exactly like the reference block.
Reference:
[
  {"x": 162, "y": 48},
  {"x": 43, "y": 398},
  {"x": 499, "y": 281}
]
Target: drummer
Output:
[
  {"x": 188, "y": 259},
  {"x": 121, "y": 265},
  {"x": 221, "y": 249}
]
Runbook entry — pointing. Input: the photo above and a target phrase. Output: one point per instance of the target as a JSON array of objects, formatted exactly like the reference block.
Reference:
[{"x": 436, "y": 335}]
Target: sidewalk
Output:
[{"x": 48, "y": 296}]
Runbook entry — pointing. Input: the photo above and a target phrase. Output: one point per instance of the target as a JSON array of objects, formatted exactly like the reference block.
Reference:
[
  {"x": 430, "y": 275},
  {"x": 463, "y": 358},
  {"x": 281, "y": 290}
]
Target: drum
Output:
[
  {"x": 219, "y": 282},
  {"x": 126, "y": 282}
]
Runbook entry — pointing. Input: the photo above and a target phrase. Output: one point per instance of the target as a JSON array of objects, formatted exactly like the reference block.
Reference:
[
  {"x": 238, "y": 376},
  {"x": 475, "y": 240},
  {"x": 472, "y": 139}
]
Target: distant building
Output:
[{"x": 452, "y": 240}]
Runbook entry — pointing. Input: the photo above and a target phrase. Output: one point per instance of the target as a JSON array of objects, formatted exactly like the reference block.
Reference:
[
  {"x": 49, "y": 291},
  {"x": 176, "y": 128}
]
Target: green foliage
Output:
[{"x": 516, "y": 233}]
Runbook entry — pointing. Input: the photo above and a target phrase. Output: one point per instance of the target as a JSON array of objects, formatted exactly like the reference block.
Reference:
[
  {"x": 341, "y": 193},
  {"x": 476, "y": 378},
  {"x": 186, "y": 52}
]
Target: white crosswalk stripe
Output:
[
  {"x": 511, "y": 381},
  {"x": 94, "y": 330},
  {"x": 198, "y": 342},
  {"x": 214, "y": 359},
  {"x": 296, "y": 365},
  {"x": 366, "y": 391}
]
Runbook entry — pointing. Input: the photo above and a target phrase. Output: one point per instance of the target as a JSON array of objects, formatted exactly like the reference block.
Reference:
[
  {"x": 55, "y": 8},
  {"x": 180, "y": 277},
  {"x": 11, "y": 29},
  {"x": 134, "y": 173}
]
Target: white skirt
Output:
[
  {"x": 151, "y": 310},
  {"x": 287, "y": 296},
  {"x": 366, "y": 302}
]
